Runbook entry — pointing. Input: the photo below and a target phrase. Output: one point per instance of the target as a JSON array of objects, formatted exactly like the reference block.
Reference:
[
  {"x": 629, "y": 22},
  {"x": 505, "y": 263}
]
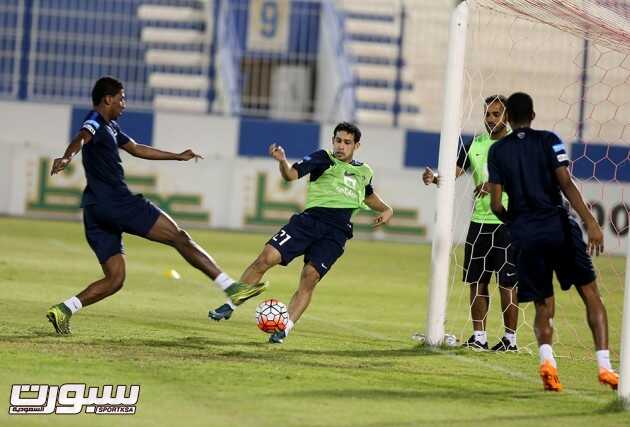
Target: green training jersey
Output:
[
  {"x": 475, "y": 157},
  {"x": 340, "y": 185}
]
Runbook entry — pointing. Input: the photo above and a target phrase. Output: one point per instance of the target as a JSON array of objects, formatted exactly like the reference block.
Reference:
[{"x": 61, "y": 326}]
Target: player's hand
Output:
[
  {"x": 383, "y": 218},
  {"x": 189, "y": 154},
  {"x": 277, "y": 152},
  {"x": 595, "y": 238},
  {"x": 481, "y": 190},
  {"x": 429, "y": 177},
  {"x": 59, "y": 165}
]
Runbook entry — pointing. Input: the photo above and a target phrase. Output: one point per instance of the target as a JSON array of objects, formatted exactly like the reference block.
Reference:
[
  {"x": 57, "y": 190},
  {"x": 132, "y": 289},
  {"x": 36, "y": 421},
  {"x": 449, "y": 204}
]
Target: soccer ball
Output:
[{"x": 272, "y": 316}]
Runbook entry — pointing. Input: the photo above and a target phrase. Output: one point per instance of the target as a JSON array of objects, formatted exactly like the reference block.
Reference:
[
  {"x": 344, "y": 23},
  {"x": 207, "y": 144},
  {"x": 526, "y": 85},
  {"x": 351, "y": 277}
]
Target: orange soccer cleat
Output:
[
  {"x": 549, "y": 375},
  {"x": 608, "y": 377}
]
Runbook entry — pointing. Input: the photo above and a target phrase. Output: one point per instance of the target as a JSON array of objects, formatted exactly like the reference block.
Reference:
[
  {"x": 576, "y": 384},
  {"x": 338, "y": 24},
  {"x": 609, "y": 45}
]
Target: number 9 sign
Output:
[{"x": 268, "y": 25}]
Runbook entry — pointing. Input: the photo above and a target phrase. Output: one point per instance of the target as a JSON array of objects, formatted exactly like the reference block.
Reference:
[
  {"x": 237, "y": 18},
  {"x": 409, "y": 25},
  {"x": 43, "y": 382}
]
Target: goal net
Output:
[{"x": 573, "y": 58}]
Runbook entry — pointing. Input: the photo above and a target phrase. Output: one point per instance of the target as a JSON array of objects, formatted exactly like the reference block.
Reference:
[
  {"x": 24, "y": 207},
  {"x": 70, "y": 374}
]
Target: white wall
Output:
[
  {"x": 41, "y": 124},
  {"x": 226, "y": 185}
]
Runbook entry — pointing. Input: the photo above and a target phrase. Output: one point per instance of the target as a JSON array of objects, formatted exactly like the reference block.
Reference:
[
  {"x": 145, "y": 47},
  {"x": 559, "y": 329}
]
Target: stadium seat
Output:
[
  {"x": 179, "y": 40},
  {"x": 383, "y": 82}
]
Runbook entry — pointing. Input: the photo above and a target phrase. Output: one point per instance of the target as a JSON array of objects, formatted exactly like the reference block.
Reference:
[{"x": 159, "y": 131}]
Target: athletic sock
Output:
[
  {"x": 511, "y": 338},
  {"x": 73, "y": 304},
  {"x": 603, "y": 359},
  {"x": 224, "y": 281},
  {"x": 290, "y": 326},
  {"x": 546, "y": 353},
  {"x": 481, "y": 337}
]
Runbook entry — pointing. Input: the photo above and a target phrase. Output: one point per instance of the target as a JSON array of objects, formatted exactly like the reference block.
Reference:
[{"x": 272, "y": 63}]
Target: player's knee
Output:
[
  {"x": 310, "y": 275},
  {"x": 265, "y": 261},
  {"x": 182, "y": 238},
  {"x": 261, "y": 264}
]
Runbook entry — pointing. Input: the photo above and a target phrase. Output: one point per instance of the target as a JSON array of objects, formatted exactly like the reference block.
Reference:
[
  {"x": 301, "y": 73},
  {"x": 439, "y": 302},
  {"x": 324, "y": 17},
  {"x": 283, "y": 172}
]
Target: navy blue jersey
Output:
[
  {"x": 524, "y": 163},
  {"x": 316, "y": 164},
  {"x": 101, "y": 161}
]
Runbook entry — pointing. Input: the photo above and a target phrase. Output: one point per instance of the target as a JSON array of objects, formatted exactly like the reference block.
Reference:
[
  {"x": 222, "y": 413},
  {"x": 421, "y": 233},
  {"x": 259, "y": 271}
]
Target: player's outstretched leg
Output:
[
  {"x": 268, "y": 258},
  {"x": 598, "y": 323},
  {"x": 114, "y": 268},
  {"x": 166, "y": 231},
  {"x": 300, "y": 301}
]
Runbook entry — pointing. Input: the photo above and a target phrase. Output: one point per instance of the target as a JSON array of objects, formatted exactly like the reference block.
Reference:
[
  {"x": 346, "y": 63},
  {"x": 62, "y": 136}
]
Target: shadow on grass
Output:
[
  {"x": 617, "y": 405},
  {"x": 480, "y": 419},
  {"x": 422, "y": 390},
  {"x": 200, "y": 348}
]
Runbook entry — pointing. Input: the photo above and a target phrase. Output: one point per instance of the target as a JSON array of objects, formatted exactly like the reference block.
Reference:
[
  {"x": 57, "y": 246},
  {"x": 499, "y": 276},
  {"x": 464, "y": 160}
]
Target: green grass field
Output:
[{"x": 349, "y": 362}]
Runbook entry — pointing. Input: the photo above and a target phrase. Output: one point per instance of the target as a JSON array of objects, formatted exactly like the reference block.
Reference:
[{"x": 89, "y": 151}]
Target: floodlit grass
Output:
[{"x": 350, "y": 361}]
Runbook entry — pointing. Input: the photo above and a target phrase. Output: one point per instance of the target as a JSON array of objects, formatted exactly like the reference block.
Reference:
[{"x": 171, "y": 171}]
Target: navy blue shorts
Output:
[
  {"x": 105, "y": 223},
  {"x": 562, "y": 250},
  {"x": 320, "y": 243}
]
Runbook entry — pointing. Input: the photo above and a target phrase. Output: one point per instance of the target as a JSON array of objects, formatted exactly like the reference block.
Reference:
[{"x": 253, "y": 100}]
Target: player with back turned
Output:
[{"x": 531, "y": 166}]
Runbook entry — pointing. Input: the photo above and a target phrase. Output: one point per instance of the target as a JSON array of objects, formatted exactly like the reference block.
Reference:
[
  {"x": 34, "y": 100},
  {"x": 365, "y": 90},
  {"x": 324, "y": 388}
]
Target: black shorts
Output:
[
  {"x": 320, "y": 243},
  {"x": 489, "y": 251},
  {"x": 561, "y": 250},
  {"x": 105, "y": 223}
]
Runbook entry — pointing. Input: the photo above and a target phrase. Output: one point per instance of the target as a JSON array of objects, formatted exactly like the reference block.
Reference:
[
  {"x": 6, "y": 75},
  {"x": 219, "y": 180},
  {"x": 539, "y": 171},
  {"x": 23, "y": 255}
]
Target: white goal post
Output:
[{"x": 449, "y": 142}]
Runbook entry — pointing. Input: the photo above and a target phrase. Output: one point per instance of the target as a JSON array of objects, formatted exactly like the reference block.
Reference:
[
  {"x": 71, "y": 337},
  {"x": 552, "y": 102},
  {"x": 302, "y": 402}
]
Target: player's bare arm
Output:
[
  {"x": 431, "y": 177},
  {"x": 277, "y": 152},
  {"x": 149, "y": 153},
  {"x": 482, "y": 190},
  {"x": 59, "y": 164},
  {"x": 375, "y": 202},
  {"x": 496, "y": 194},
  {"x": 573, "y": 195}
]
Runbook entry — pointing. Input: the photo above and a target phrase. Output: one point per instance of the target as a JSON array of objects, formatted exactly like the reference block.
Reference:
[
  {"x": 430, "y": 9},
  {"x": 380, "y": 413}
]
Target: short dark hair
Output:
[
  {"x": 520, "y": 107},
  {"x": 105, "y": 86},
  {"x": 350, "y": 128},
  {"x": 492, "y": 98}
]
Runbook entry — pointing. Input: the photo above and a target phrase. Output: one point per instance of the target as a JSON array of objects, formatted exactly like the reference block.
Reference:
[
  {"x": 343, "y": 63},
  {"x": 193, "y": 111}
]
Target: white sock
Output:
[
  {"x": 603, "y": 359},
  {"x": 290, "y": 326},
  {"x": 231, "y": 304},
  {"x": 74, "y": 304},
  {"x": 511, "y": 338},
  {"x": 546, "y": 353},
  {"x": 224, "y": 281},
  {"x": 481, "y": 337}
]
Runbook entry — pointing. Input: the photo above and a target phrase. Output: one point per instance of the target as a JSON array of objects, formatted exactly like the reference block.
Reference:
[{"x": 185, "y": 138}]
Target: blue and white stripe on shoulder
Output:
[{"x": 91, "y": 123}]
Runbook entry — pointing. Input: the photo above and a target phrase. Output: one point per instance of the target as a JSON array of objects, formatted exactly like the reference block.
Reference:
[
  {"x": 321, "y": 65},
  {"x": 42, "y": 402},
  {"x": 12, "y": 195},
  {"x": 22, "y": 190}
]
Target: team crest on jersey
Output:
[{"x": 520, "y": 135}]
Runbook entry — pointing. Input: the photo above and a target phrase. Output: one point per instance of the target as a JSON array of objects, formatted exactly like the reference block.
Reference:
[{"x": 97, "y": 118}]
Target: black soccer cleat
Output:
[
  {"x": 277, "y": 337},
  {"x": 504, "y": 345},
  {"x": 222, "y": 313},
  {"x": 474, "y": 344}
]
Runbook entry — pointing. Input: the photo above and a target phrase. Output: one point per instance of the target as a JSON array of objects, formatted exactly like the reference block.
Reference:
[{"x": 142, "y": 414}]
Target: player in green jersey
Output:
[
  {"x": 488, "y": 245},
  {"x": 338, "y": 187}
]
